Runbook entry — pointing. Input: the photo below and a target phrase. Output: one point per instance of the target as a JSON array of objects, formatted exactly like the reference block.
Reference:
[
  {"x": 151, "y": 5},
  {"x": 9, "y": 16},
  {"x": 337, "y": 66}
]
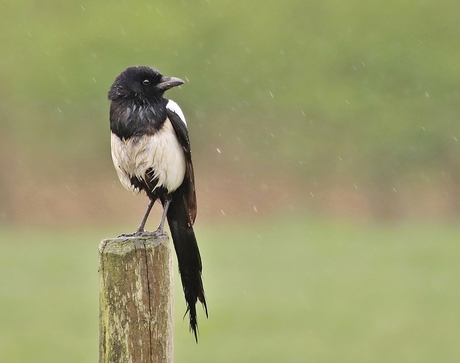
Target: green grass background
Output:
[{"x": 285, "y": 289}]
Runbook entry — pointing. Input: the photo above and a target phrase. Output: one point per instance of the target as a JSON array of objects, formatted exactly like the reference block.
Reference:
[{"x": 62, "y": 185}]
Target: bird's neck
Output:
[{"x": 138, "y": 117}]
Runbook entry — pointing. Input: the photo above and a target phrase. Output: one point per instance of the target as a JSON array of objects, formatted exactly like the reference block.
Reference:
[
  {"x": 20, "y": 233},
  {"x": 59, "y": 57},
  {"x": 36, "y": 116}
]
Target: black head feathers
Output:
[{"x": 144, "y": 83}]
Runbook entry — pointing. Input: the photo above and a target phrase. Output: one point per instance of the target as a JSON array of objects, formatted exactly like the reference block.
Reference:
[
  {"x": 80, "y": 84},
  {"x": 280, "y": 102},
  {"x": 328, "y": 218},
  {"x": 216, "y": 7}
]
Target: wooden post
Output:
[{"x": 135, "y": 300}]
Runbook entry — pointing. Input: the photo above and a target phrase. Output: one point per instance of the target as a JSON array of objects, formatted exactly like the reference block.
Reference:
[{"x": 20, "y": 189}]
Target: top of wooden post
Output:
[{"x": 122, "y": 245}]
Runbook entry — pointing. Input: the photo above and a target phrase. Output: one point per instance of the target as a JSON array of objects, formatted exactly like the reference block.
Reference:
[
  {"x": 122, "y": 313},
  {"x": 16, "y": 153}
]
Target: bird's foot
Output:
[
  {"x": 138, "y": 233},
  {"x": 156, "y": 233},
  {"x": 128, "y": 235},
  {"x": 160, "y": 232}
]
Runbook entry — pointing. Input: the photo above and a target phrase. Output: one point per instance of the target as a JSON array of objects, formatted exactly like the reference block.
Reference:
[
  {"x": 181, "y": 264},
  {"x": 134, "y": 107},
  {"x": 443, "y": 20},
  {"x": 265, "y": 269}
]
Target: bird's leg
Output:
[
  {"x": 160, "y": 230},
  {"x": 140, "y": 229}
]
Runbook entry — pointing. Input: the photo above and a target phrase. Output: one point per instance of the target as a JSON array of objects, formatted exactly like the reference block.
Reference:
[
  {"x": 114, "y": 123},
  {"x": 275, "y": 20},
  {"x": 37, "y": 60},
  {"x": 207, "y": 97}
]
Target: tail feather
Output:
[{"x": 188, "y": 257}]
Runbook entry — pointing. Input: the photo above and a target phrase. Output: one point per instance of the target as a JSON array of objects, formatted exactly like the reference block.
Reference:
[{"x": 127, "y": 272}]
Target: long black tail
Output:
[{"x": 188, "y": 257}]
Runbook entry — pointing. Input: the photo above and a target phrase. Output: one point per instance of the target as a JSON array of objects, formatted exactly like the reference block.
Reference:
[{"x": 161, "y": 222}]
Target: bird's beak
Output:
[{"x": 169, "y": 82}]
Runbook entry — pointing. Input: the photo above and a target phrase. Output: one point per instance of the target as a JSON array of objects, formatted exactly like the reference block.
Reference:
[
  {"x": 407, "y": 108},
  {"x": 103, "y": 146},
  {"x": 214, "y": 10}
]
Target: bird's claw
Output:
[
  {"x": 159, "y": 233},
  {"x": 156, "y": 233},
  {"x": 135, "y": 234}
]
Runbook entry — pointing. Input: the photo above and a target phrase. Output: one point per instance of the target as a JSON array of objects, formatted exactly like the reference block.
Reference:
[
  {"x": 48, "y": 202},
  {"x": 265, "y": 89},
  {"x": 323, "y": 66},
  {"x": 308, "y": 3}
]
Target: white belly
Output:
[{"x": 161, "y": 152}]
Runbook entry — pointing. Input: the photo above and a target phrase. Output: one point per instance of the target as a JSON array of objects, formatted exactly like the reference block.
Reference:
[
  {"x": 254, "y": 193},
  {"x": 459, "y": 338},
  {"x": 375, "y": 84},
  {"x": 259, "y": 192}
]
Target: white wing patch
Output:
[
  {"x": 161, "y": 152},
  {"x": 174, "y": 107}
]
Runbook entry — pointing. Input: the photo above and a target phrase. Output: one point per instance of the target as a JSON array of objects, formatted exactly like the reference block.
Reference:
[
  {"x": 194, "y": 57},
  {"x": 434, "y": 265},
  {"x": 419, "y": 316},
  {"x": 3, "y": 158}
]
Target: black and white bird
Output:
[{"x": 151, "y": 153}]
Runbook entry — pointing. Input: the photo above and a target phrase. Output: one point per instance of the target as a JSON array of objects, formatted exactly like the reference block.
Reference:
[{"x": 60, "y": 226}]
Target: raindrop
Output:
[
  {"x": 271, "y": 94},
  {"x": 218, "y": 150}
]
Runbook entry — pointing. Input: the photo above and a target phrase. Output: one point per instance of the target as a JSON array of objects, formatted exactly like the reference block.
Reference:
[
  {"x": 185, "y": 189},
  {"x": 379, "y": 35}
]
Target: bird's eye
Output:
[{"x": 145, "y": 82}]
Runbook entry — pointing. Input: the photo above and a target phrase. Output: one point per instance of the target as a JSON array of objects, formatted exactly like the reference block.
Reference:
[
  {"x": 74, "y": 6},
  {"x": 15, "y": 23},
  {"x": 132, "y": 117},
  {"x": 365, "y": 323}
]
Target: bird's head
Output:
[{"x": 142, "y": 82}]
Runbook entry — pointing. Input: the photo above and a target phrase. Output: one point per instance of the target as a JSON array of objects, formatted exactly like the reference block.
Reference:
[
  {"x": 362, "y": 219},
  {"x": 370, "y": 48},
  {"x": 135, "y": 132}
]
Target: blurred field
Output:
[
  {"x": 358, "y": 96},
  {"x": 285, "y": 289}
]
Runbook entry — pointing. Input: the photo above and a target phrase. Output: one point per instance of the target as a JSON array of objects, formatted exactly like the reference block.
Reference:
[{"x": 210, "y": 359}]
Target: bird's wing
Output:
[{"x": 177, "y": 119}]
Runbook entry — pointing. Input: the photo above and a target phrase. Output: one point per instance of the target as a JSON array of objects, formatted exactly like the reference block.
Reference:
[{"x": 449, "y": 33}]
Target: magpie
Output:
[{"x": 151, "y": 154}]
